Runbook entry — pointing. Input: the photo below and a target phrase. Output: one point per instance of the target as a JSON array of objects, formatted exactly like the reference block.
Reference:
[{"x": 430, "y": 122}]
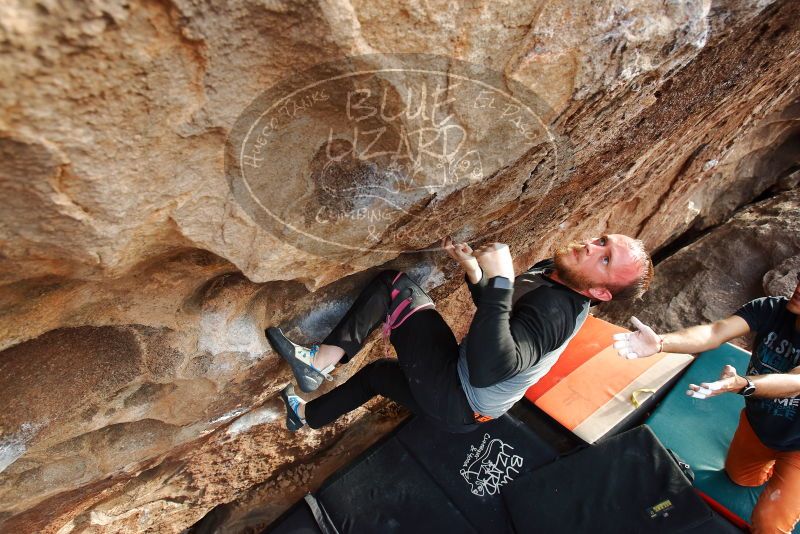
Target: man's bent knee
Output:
[
  {"x": 743, "y": 471},
  {"x": 743, "y": 478}
]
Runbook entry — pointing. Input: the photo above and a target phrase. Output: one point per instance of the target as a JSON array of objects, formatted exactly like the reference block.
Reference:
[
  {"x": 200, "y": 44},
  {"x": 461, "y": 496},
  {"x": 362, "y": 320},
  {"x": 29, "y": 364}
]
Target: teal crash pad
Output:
[{"x": 700, "y": 430}]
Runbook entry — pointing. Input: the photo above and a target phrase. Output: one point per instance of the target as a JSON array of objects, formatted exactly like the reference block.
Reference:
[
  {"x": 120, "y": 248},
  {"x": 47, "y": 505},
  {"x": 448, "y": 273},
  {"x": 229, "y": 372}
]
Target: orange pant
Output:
[{"x": 751, "y": 463}]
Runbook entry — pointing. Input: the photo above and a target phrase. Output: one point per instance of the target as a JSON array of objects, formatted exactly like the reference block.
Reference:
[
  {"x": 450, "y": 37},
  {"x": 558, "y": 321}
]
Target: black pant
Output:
[{"x": 423, "y": 378}]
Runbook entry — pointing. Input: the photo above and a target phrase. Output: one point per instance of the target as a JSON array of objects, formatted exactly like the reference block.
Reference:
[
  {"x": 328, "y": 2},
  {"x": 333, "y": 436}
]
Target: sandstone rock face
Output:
[
  {"x": 753, "y": 254},
  {"x": 782, "y": 279},
  {"x": 138, "y": 391}
]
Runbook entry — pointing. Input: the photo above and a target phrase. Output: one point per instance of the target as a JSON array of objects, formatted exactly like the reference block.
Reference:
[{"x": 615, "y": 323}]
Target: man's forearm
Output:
[
  {"x": 705, "y": 337},
  {"x": 692, "y": 340},
  {"x": 773, "y": 386},
  {"x": 491, "y": 349}
]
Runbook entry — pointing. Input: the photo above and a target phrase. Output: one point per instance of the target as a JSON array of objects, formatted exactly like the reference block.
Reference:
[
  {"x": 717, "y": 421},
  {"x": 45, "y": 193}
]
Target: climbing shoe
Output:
[
  {"x": 300, "y": 359},
  {"x": 292, "y": 402},
  {"x": 407, "y": 298}
]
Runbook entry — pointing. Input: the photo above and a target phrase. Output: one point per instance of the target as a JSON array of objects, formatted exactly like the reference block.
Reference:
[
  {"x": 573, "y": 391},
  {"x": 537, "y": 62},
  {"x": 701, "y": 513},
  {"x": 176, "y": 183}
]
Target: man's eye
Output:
[
  {"x": 605, "y": 260},
  {"x": 603, "y": 242}
]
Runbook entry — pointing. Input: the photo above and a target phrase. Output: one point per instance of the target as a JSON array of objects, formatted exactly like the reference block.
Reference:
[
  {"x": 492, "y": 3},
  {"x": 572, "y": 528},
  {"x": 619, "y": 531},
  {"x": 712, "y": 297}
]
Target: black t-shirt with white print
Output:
[{"x": 776, "y": 349}]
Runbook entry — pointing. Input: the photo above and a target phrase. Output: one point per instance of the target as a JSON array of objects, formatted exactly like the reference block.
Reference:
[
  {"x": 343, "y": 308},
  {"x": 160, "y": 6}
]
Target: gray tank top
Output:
[{"x": 497, "y": 399}]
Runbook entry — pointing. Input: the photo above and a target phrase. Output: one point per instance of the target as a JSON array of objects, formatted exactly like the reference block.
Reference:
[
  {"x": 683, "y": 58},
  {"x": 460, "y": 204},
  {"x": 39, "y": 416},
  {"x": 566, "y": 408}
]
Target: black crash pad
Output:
[
  {"x": 425, "y": 480},
  {"x": 420, "y": 480},
  {"x": 472, "y": 468},
  {"x": 625, "y": 484},
  {"x": 387, "y": 491}
]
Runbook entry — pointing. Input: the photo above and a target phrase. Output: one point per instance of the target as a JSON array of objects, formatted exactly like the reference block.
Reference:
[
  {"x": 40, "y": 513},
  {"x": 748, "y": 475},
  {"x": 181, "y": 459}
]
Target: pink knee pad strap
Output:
[{"x": 393, "y": 320}]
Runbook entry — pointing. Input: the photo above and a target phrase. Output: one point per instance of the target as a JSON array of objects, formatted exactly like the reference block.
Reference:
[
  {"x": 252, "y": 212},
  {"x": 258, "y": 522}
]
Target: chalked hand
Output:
[
  {"x": 639, "y": 344},
  {"x": 728, "y": 382}
]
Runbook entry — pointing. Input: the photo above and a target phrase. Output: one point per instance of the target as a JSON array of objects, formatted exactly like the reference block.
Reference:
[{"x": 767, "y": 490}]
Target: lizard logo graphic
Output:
[{"x": 490, "y": 466}]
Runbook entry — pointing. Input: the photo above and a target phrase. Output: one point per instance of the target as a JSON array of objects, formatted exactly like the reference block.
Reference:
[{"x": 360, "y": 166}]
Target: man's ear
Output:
[{"x": 600, "y": 293}]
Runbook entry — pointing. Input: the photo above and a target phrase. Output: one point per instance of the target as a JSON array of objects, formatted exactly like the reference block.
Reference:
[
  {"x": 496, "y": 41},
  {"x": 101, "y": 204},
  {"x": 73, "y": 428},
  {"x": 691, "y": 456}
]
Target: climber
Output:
[
  {"x": 766, "y": 445},
  {"x": 520, "y": 327}
]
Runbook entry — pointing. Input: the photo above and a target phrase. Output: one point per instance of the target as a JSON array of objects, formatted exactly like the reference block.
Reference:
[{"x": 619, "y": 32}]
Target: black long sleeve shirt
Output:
[{"x": 504, "y": 340}]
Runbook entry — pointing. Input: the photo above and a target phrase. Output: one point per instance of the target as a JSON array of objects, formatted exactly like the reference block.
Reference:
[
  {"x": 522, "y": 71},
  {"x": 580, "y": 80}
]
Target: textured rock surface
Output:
[
  {"x": 137, "y": 389},
  {"x": 753, "y": 254},
  {"x": 782, "y": 279}
]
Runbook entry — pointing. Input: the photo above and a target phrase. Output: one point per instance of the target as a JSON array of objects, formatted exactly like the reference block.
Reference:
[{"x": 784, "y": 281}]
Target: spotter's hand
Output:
[
  {"x": 728, "y": 382},
  {"x": 495, "y": 260},
  {"x": 639, "y": 344}
]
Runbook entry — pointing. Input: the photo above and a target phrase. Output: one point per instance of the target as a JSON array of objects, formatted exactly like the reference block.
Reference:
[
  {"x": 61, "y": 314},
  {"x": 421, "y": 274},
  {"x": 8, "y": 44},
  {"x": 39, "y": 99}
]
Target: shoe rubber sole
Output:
[{"x": 293, "y": 421}]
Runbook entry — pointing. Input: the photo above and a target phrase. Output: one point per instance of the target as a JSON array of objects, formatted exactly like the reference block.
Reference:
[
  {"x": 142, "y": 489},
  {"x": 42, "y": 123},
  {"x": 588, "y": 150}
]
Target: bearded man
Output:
[{"x": 521, "y": 326}]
